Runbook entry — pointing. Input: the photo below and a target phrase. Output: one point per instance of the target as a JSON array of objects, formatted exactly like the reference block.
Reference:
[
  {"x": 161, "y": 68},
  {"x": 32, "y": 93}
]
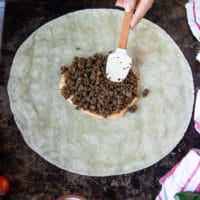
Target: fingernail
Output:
[
  {"x": 132, "y": 26},
  {"x": 119, "y": 3},
  {"x": 128, "y": 7}
]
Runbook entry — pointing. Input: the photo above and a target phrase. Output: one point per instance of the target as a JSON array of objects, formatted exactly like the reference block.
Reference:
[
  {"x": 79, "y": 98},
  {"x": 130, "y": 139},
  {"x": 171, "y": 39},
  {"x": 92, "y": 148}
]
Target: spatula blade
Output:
[{"x": 118, "y": 65}]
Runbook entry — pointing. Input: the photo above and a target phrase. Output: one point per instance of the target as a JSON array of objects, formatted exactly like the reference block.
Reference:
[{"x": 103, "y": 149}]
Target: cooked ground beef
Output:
[
  {"x": 132, "y": 108},
  {"x": 145, "y": 92},
  {"x": 86, "y": 81}
]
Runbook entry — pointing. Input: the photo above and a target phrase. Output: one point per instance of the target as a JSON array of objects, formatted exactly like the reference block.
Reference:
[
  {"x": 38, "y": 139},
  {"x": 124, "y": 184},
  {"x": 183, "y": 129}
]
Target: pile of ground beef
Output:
[{"x": 86, "y": 81}]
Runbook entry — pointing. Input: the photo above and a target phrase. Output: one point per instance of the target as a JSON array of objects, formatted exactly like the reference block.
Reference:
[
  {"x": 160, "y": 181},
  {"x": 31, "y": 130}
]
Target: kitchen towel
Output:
[
  {"x": 193, "y": 18},
  {"x": 184, "y": 176},
  {"x": 197, "y": 112}
]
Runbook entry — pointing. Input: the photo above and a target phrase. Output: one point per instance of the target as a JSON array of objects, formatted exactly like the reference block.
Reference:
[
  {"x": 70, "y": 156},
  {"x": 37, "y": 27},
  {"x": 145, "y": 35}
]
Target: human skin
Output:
[{"x": 139, "y": 7}]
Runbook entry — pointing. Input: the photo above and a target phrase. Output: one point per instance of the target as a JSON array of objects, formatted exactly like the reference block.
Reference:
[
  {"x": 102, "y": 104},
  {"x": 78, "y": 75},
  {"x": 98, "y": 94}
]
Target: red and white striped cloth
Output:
[
  {"x": 184, "y": 176},
  {"x": 197, "y": 112},
  {"x": 193, "y": 18}
]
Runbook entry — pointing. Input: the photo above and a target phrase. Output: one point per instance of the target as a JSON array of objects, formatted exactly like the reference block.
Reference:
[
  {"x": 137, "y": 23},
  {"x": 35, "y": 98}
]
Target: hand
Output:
[{"x": 139, "y": 6}]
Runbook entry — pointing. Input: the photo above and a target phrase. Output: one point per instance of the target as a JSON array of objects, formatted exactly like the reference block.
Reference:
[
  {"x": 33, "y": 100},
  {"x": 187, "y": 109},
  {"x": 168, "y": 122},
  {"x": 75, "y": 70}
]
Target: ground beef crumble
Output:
[
  {"x": 145, "y": 92},
  {"x": 86, "y": 81}
]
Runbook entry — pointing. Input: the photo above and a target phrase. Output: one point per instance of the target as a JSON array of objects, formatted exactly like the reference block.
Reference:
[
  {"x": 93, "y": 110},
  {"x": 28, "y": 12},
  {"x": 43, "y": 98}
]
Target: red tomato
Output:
[{"x": 4, "y": 185}]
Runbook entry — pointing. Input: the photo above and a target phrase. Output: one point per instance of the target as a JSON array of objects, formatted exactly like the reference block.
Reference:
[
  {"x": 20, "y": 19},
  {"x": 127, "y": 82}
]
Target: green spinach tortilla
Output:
[{"x": 83, "y": 144}]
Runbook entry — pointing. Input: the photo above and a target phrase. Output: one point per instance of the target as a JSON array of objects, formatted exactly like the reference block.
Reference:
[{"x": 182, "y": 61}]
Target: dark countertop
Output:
[{"x": 30, "y": 176}]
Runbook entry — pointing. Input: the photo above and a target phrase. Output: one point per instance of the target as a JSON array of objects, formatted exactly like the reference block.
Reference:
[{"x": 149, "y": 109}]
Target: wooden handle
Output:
[{"x": 125, "y": 30}]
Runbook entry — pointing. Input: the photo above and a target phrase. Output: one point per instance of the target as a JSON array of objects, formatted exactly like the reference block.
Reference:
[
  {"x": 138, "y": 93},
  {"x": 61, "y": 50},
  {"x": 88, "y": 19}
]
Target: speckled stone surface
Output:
[{"x": 31, "y": 177}]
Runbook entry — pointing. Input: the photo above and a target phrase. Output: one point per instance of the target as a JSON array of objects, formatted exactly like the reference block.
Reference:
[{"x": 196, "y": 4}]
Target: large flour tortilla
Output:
[{"x": 80, "y": 143}]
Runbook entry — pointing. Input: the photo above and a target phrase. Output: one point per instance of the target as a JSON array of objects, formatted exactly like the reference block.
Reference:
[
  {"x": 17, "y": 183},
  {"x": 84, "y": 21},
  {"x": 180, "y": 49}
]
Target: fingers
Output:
[
  {"x": 130, "y": 5},
  {"x": 134, "y": 3},
  {"x": 120, "y": 3},
  {"x": 142, "y": 7}
]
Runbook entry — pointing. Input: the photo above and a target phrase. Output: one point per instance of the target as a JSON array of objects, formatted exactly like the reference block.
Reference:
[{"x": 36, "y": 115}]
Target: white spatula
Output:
[{"x": 119, "y": 63}]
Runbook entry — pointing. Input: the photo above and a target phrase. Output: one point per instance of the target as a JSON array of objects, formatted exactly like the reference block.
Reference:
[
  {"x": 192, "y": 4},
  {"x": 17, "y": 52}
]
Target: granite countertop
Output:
[{"x": 31, "y": 177}]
